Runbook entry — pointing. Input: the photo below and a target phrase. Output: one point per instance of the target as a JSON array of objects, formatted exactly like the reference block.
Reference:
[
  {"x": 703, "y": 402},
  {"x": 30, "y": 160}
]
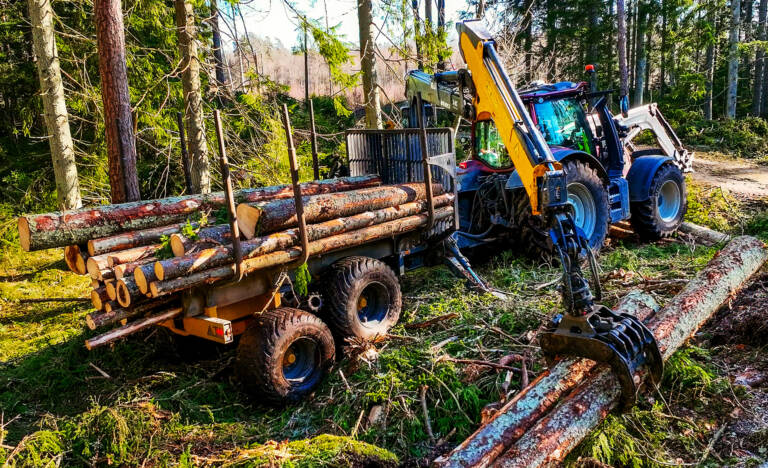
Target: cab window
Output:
[
  {"x": 563, "y": 123},
  {"x": 489, "y": 147}
]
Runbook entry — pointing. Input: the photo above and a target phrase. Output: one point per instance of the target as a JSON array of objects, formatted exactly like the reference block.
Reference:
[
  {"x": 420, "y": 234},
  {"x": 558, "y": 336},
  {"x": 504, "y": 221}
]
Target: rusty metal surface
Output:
[
  {"x": 556, "y": 434},
  {"x": 522, "y": 412}
]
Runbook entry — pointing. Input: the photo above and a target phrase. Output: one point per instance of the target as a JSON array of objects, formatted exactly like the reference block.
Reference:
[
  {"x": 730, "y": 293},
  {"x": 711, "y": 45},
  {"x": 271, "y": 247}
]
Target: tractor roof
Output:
[{"x": 548, "y": 90}]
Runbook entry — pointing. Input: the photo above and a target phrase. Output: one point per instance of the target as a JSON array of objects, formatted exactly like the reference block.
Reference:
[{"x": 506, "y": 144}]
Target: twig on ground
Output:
[
  {"x": 104, "y": 374},
  {"x": 357, "y": 424},
  {"x": 427, "y": 421},
  {"x": 432, "y": 321},
  {"x": 344, "y": 379},
  {"x": 547, "y": 284},
  {"x": 712, "y": 443}
]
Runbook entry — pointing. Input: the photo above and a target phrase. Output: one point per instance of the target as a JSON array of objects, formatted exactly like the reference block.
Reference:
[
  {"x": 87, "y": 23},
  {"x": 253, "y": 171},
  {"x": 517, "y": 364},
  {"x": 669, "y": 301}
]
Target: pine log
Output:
[
  {"x": 98, "y": 267},
  {"x": 128, "y": 292},
  {"x": 111, "y": 305},
  {"x": 99, "y": 297},
  {"x": 143, "y": 276},
  {"x": 534, "y": 401},
  {"x": 131, "y": 239},
  {"x": 213, "y": 257},
  {"x": 261, "y": 218},
  {"x": 111, "y": 288},
  {"x": 131, "y": 327},
  {"x": 127, "y": 269},
  {"x": 75, "y": 259},
  {"x": 59, "y": 229},
  {"x": 210, "y": 236},
  {"x": 108, "y": 317},
  {"x": 552, "y": 437},
  {"x": 705, "y": 234},
  {"x": 131, "y": 255},
  {"x": 282, "y": 257}
]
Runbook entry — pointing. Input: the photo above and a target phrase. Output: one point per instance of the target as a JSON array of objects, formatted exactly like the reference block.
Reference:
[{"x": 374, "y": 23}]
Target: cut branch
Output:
[{"x": 130, "y": 328}]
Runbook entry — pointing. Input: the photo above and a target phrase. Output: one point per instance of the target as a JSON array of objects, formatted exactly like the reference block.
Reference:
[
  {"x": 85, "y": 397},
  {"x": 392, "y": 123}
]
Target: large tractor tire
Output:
[
  {"x": 588, "y": 196},
  {"x": 283, "y": 355},
  {"x": 363, "y": 298},
  {"x": 662, "y": 213}
]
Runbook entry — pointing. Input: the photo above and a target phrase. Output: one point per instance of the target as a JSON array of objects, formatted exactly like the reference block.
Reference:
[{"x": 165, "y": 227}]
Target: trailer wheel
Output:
[
  {"x": 363, "y": 298},
  {"x": 662, "y": 213},
  {"x": 589, "y": 198},
  {"x": 284, "y": 354}
]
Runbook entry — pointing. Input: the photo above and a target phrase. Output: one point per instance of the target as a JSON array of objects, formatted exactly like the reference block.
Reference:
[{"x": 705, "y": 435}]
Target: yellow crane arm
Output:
[{"x": 495, "y": 98}]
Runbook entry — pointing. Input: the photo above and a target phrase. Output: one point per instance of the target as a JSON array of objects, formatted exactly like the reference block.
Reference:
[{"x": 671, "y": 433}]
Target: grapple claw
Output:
[{"x": 626, "y": 345}]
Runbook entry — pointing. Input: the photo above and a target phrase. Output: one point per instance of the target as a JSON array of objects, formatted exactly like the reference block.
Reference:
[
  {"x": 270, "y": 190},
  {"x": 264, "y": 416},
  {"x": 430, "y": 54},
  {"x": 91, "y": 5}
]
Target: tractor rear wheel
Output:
[
  {"x": 662, "y": 213},
  {"x": 363, "y": 298},
  {"x": 283, "y": 355}
]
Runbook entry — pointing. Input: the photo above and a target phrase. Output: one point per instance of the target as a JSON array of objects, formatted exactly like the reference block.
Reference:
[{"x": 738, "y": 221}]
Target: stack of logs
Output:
[{"x": 122, "y": 246}]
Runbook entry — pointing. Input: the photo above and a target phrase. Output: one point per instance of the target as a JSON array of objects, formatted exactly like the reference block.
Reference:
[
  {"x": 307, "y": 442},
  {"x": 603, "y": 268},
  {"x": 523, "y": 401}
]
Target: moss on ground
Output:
[{"x": 168, "y": 403}]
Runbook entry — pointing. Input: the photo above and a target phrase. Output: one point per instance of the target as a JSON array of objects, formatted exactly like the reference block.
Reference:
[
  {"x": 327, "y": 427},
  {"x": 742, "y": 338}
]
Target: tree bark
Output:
[
  {"x": 54, "y": 105},
  {"x": 127, "y": 269},
  {"x": 710, "y": 72},
  {"x": 57, "y": 229},
  {"x": 193, "y": 103},
  {"x": 95, "y": 320},
  {"x": 209, "y": 237},
  {"x": 222, "y": 255},
  {"x": 733, "y": 60},
  {"x": 417, "y": 33},
  {"x": 131, "y": 239},
  {"x": 128, "y": 292},
  {"x": 131, "y": 327},
  {"x": 144, "y": 276},
  {"x": 216, "y": 38},
  {"x": 131, "y": 255},
  {"x": 640, "y": 54},
  {"x": 621, "y": 15},
  {"x": 121, "y": 146},
  {"x": 757, "y": 89},
  {"x": 368, "y": 64},
  {"x": 262, "y": 218},
  {"x": 282, "y": 257}
]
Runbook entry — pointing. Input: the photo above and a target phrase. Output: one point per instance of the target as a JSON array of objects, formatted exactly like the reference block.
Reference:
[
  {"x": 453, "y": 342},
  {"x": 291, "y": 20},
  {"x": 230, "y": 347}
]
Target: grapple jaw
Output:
[{"x": 621, "y": 340}]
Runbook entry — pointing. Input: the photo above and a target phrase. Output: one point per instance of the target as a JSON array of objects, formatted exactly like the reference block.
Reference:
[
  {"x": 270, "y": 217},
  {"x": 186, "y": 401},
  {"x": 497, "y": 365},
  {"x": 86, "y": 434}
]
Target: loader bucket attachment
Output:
[{"x": 621, "y": 340}]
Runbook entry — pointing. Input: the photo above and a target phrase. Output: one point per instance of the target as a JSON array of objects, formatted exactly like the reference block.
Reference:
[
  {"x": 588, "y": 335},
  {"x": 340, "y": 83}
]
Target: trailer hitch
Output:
[{"x": 591, "y": 330}]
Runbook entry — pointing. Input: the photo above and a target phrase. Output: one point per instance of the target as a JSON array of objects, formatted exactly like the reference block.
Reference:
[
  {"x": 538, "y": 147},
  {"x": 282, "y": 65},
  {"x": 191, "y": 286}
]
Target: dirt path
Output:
[{"x": 737, "y": 176}]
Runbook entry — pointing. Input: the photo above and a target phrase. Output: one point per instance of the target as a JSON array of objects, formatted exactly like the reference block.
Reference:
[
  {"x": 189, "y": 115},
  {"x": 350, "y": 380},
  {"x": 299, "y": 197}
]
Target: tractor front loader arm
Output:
[{"x": 586, "y": 329}]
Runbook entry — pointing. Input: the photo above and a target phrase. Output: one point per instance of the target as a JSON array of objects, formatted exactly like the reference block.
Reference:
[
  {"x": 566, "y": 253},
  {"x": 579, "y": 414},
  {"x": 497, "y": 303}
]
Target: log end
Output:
[
  {"x": 119, "y": 270},
  {"x": 153, "y": 289},
  {"x": 111, "y": 291},
  {"x": 177, "y": 245},
  {"x": 24, "y": 234},
  {"x": 92, "y": 267},
  {"x": 159, "y": 273},
  {"x": 123, "y": 294},
  {"x": 96, "y": 301},
  {"x": 247, "y": 219},
  {"x": 141, "y": 279},
  {"x": 90, "y": 322},
  {"x": 80, "y": 264},
  {"x": 91, "y": 248}
]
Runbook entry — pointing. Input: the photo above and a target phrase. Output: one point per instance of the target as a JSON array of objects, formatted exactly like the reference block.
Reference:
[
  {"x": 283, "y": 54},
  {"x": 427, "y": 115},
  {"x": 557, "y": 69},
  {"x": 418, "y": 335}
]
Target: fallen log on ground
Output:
[
  {"x": 262, "y": 218},
  {"x": 109, "y": 317},
  {"x": 282, "y": 257},
  {"x": 77, "y": 227},
  {"x": 524, "y": 409},
  {"x": 210, "y": 258},
  {"x": 214, "y": 235},
  {"x": 130, "y": 328},
  {"x": 705, "y": 234},
  {"x": 552, "y": 437}
]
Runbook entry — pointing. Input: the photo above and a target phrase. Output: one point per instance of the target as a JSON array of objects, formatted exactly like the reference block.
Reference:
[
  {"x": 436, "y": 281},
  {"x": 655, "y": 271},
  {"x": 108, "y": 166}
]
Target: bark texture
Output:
[
  {"x": 757, "y": 88},
  {"x": 733, "y": 60},
  {"x": 121, "y": 146},
  {"x": 131, "y": 239},
  {"x": 193, "y": 102},
  {"x": 103, "y": 318},
  {"x": 54, "y": 106},
  {"x": 368, "y": 64},
  {"x": 59, "y": 229}
]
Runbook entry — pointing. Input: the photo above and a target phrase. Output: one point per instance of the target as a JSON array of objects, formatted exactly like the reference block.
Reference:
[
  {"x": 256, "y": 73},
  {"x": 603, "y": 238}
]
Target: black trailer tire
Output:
[
  {"x": 283, "y": 355},
  {"x": 589, "y": 197},
  {"x": 363, "y": 298},
  {"x": 662, "y": 213}
]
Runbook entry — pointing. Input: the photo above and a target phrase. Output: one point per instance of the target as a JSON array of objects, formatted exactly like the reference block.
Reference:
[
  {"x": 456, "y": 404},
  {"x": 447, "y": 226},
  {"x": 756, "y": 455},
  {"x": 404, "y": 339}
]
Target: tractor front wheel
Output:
[{"x": 662, "y": 213}]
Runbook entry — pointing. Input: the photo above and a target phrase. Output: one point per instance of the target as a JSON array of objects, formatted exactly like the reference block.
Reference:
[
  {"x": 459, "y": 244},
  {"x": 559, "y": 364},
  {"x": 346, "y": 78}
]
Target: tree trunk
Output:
[
  {"x": 440, "y": 30},
  {"x": 306, "y": 68},
  {"x": 640, "y": 54},
  {"x": 118, "y": 121},
  {"x": 257, "y": 219},
  {"x": 733, "y": 60},
  {"x": 216, "y": 38},
  {"x": 757, "y": 90},
  {"x": 368, "y": 64},
  {"x": 193, "y": 103},
  {"x": 621, "y": 15},
  {"x": 417, "y": 33},
  {"x": 54, "y": 105},
  {"x": 45, "y": 231},
  {"x": 663, "y": 51},
  {"x": 282, "y": 257},
  {"x": 206, "y": 259},
  {"x": 749, "y": 36}
]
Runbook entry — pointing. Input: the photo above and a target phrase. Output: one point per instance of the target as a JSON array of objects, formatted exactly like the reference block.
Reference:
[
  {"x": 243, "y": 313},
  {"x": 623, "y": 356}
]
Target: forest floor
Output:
[{"x": 156, "y": 400}]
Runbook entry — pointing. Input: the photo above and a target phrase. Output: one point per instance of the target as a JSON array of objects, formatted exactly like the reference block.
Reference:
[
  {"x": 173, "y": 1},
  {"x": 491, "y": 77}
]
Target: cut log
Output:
[
  {"x": 99, "y": 297},
  {"x": 111, "y": 305},
  {"x": 111, "y": 288},
  {"x": 210, "y": 258},
  {"x": 143, "y": 276},
  {"x": 537, "y": 399},
  {"x": 128, "y": 292},
  {"x": 262, "y": 218},
  {"x": 552, "y": 437},
  {"x": 60, "y": 229},
  {"x": 75, "y": 259},
  {"x": 131, "y": 239},
  {"x": 705, "y": 234},
  {"x": 325, "y": 245},
  {"x": 131, "y": 327},
  {"x": 210, "y": 236},
  {"x": 131, "y": 255},
  {"x": 109, "y": 317},
  {"x": 98, "y": 267},
  {"x": 96, "y": 284},
  {"x": 127, "y": 269}
]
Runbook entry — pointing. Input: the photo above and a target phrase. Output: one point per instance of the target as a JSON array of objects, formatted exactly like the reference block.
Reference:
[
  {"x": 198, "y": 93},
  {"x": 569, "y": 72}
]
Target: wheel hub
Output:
[
  {"x": 584, "y": 208},
  {"x": 373, "y": 304},
  {"x": 668, "y": 201}
]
